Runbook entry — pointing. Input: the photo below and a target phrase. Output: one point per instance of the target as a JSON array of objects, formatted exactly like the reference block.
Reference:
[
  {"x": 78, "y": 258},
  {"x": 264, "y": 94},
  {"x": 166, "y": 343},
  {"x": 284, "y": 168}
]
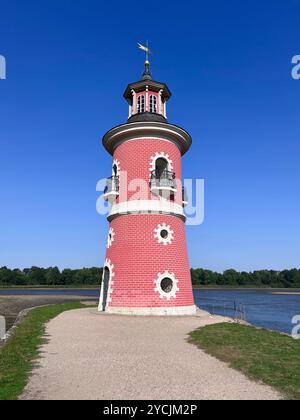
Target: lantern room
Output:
[{"x": 147, "y": 97}]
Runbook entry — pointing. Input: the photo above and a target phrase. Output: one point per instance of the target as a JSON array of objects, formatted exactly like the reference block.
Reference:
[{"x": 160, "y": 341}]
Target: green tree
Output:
[
  {"x": 53, "y": 276},
  {"x": 231, "y": 277}
]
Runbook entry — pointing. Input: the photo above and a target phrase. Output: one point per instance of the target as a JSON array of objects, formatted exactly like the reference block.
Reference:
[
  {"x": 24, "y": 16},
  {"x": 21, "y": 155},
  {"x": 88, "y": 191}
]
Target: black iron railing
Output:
[
  {"x": 112, "y": 185},
  {"x": 164, "y": 179}
]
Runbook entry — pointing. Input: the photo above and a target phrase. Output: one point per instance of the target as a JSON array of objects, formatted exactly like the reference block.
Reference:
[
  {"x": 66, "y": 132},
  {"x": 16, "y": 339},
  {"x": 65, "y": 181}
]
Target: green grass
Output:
[
  {"x": 262, "y": 355},
  {"x": 18, "y": 356}
]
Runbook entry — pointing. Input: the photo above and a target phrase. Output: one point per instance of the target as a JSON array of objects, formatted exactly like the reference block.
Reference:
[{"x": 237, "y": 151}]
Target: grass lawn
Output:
[
  {"x": 262, "y": 355},
  {"x": 18, "y": 356}
]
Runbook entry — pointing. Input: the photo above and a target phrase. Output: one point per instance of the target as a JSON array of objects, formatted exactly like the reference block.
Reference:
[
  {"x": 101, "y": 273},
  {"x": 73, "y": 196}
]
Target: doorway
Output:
[{"x": 105, "y": 283}]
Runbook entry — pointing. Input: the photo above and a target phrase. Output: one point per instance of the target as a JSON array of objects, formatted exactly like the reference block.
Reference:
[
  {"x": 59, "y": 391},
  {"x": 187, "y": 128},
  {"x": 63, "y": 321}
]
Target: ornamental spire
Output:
[{"x": 147, "y": 73}]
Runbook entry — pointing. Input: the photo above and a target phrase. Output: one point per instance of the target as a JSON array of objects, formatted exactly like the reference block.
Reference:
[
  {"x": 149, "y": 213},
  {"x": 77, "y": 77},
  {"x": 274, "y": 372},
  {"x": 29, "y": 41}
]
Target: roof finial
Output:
[{"x": 147, "y": 73}]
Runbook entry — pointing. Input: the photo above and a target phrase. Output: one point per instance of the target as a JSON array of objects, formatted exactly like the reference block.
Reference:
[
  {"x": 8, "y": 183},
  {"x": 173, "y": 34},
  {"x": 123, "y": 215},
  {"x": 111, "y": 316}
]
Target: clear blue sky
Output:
[{"x": 228, "y": 64}]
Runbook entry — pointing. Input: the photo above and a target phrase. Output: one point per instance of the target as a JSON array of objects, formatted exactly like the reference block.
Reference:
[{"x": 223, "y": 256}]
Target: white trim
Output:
[
  {"x": 110, "y": 237},
  {"x": 147, "y": 99},
  {"x": 148, "y": 206},
  {"x": 155, "y": 189},
  {"x": 158, "y": 288},
  {"x": 111, "y": 196},
  {"x": 150, "y": 311},
  {"x": 157, "y": 234},
  {"x": 162, "y": 155},
  {"x": 134, "y": 104},
  {"x": 118, "y": 135},
  {"x": 154, "y": 128},
  {"x": 110, "y": 267},
  {"x": 160, "y": 104}
]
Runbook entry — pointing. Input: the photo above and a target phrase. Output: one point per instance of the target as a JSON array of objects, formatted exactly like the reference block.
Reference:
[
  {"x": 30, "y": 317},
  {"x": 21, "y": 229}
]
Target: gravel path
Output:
[{"x": 99, "y": 356}]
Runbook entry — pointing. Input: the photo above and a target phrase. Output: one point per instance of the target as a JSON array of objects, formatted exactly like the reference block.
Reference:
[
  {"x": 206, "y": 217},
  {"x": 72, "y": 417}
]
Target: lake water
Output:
[{"x": 262, "y": 308}]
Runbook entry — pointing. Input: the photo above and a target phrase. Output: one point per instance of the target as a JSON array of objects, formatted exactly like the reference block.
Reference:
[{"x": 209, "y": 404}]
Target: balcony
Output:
[
  {"x": 185, "y": 199},
  {"x": 111, "y": 190},
  {"x": 162, "y": 181}
]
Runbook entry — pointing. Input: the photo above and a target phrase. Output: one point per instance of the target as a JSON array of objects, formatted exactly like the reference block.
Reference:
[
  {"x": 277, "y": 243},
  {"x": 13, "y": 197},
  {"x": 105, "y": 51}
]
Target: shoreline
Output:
[
  {"x": 12, "y": 305},
  {"x": 96, "y": 287},
  {"x": 287, "y": 293}
]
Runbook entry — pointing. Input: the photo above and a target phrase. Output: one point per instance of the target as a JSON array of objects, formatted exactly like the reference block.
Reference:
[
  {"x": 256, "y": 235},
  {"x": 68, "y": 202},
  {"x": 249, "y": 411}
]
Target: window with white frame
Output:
[
  {"x": 141, "y": 104},
  {"x": 153, "y": 103}
]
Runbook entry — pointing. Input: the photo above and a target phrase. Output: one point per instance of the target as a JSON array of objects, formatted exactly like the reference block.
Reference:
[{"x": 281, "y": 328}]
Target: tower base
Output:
[{"x": 157, "y": 311}]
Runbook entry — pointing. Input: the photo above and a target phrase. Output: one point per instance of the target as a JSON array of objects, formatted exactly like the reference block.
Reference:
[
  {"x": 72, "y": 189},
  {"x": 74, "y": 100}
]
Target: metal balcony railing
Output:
[
  {"x": 112, "y": 187},
  {"x": 163, "y": 180}
]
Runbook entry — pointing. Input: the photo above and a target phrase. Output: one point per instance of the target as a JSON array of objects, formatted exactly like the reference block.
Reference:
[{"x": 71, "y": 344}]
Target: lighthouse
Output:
[{"x": 146, "y": 269}]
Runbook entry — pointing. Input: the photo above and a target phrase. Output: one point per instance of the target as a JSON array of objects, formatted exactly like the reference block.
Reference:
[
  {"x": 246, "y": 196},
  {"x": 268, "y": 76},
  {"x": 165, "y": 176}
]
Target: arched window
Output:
[
  {"x": 161, "y": 167},
  {"x": 153, "y": 103},
  {"x": 141, "y": 104},
  {"x": 162, "y": 176}
]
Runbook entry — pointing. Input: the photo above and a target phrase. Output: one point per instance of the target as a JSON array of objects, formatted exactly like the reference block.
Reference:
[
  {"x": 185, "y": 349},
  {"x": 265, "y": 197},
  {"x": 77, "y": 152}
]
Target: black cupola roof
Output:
[{"x": 147, "y": 80}]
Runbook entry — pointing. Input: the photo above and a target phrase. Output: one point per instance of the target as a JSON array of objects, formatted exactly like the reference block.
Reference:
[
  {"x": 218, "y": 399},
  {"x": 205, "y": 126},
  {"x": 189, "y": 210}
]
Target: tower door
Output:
[{"x": 105, "y": 282}]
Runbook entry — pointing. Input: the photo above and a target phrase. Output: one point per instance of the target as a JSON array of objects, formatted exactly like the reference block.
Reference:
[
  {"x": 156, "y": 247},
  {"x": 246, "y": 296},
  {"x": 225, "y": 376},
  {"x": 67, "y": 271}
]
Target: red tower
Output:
[{"x": 146, "y": 269}]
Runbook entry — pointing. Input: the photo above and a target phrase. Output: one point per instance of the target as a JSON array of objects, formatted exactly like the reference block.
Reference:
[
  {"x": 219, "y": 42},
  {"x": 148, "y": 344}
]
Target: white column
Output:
[
  {"x": 133, "y": 109},
  {"x": 160, "y": 104},
  {"x": 147, "y": 102},
  {"x": 165, "y": 109}
]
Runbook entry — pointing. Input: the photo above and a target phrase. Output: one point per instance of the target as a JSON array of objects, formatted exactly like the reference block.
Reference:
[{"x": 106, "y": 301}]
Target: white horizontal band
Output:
[
  {"x": 158, "y": 311},
  {"x": 147, "y": 206},
  {"x": 161, "y": 130}
]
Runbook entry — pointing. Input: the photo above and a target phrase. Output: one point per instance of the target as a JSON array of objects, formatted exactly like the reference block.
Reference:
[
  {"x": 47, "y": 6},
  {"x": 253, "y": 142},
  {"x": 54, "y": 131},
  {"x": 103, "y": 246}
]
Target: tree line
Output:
[
  {"x": 259, "y": 278},
  {"x": 52, "y": 276}
]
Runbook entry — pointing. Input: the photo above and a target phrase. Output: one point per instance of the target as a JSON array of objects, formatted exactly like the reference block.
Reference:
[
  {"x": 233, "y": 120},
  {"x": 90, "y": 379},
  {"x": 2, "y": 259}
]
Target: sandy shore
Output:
[
  {"x": 92, "y": 355},
  {"x": 286, "y": 293}
]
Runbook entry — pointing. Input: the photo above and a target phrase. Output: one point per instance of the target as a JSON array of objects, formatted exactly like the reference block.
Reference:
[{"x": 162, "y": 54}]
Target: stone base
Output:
[{"x": 159, "y": 311}]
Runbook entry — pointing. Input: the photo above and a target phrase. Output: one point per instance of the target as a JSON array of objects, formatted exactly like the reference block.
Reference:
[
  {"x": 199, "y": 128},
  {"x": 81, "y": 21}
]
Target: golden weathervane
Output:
[{"x": 147, "y": 51}]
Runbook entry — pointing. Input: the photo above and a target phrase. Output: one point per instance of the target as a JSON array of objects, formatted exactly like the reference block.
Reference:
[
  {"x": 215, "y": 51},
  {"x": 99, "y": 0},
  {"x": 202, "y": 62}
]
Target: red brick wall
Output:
[
  {"x": 135, "y": 253},
  {"x": 138, "y": 257},
  {"x": 135, "y": 157}
]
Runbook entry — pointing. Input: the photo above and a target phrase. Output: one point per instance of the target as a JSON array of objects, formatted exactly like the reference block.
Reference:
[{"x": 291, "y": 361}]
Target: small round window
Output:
[
  {"x": 166, "y": 284},
  {"x": 164, "y": 233}
]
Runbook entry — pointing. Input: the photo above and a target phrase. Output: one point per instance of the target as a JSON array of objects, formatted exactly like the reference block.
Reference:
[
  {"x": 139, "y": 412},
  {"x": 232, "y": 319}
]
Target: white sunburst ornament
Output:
[
  {"x": 110, "y": 238},
  {"x": 164, "y": 234},
  {"x": 166, "y": 285}
]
